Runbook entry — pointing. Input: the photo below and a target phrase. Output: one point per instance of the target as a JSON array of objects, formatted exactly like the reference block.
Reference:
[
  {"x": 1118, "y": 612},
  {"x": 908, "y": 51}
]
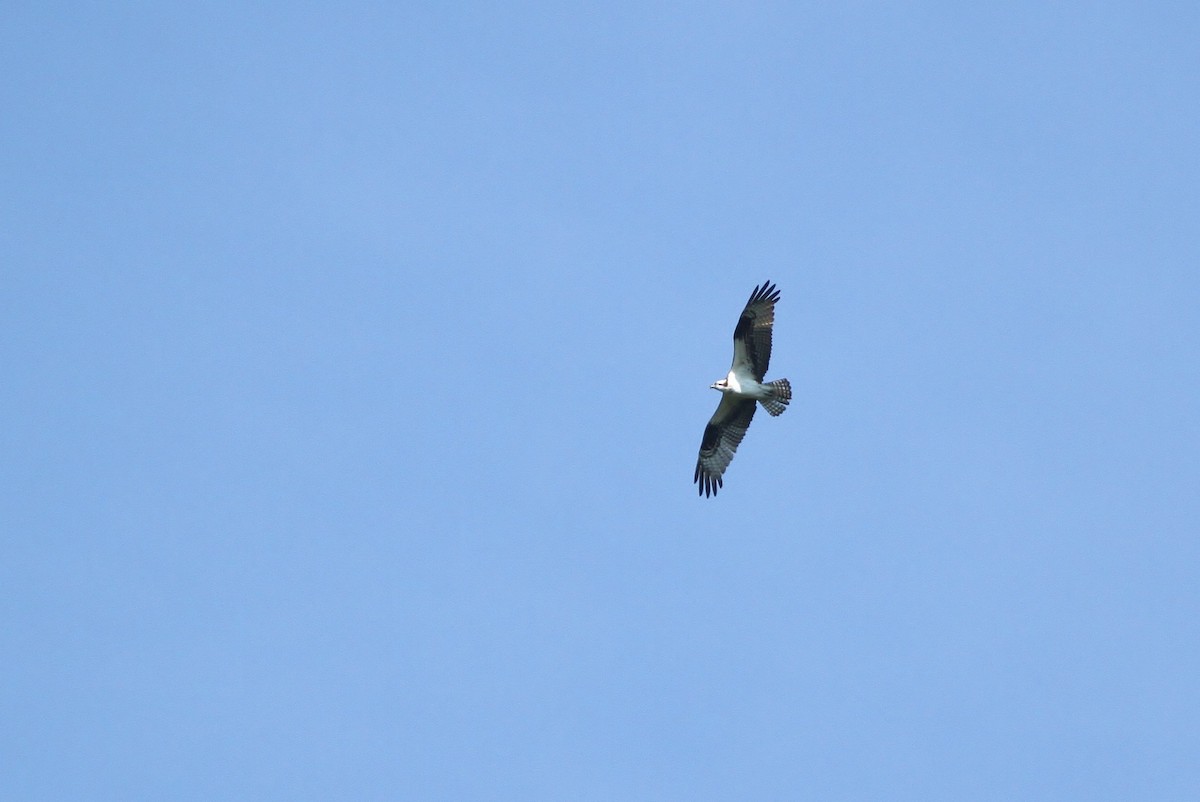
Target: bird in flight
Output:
[{"x": 741, "y": 389}]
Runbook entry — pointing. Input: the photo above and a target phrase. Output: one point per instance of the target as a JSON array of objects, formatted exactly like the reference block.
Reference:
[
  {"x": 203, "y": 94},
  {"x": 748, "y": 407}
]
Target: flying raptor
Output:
[{"x": 741, "y": 389}]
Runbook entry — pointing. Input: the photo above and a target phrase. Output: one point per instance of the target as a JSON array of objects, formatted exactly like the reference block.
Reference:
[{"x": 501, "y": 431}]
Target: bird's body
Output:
[
  {"x": 741, "y": 389},
  {"x": 744, "y": 386}
]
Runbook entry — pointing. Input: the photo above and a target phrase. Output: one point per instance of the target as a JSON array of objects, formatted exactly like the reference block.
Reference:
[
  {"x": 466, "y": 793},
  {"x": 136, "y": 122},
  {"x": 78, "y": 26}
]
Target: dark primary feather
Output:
[
  {"x": 754, "y": 327},
  {"x": 724, "y": 432}
]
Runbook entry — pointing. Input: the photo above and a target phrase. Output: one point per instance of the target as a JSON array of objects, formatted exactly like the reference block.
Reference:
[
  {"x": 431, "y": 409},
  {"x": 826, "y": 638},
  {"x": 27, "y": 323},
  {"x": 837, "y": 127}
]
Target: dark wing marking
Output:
[
  {"x": 753, "y": 330},
  {"x": 722, "y": 435}
]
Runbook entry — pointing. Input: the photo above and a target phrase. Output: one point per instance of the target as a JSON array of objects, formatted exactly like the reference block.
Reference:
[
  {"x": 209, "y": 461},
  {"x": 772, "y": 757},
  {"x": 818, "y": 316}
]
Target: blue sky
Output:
[{"x": 357, "y": 356}]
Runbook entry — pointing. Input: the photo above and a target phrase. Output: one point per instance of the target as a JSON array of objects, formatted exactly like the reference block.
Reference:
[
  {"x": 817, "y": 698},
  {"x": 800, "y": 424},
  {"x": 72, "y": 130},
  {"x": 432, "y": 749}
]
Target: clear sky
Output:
[{"x": 356, "y": 356}]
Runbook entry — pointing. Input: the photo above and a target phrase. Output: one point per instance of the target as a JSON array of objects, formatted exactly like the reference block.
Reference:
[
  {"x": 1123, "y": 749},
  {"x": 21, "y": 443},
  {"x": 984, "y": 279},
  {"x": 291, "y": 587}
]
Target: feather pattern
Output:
[
  {"x": 752, "y": 335},
  {"x": 722, "y": 436}
]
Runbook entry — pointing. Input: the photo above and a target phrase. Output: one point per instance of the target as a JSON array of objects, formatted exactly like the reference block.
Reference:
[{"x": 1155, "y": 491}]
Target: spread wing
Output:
[
  {"x": 752, "y": 336},
  {"x": 722, "y": 435}
]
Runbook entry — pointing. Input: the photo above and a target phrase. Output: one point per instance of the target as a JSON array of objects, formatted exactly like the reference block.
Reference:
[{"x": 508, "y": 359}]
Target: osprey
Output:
[{"x": 741, "y": 389}]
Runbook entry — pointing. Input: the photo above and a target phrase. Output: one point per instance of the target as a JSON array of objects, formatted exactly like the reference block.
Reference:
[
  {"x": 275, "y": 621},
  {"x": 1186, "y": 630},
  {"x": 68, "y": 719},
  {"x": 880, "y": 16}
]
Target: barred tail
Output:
[{"x": 781, "y": 394}]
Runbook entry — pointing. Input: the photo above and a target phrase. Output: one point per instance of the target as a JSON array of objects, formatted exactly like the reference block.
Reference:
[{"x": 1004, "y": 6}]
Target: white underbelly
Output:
[{"x": 745, "y": 386}]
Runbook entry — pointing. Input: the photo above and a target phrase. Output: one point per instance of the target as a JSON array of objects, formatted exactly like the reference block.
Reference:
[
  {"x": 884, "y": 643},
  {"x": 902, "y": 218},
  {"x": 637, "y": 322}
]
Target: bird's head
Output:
[{"x": 721, "y": 384}]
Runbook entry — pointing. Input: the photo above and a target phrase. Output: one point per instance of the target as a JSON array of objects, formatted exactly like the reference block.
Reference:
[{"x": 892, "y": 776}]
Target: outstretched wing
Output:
[
  {"x": 752, "y": 336},
  {"x": 722, "y": 435}
]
